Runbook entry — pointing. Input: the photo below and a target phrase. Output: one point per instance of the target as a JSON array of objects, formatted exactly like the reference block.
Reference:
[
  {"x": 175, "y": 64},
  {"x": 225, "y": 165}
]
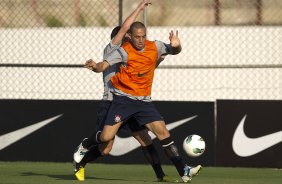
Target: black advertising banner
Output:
[
  {"x": 49, "y": 130},
  {"x": 249, "y": 133}
]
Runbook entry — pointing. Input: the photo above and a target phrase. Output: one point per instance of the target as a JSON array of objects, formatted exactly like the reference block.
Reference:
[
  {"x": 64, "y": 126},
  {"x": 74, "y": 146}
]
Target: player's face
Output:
[{"x": 138, "y": 37}]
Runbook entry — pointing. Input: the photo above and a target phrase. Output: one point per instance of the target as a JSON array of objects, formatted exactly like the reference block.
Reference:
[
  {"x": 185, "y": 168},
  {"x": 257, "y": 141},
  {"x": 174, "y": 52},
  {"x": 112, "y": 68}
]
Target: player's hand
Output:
[
  {"x": 174, "y": 39},
  {"x": 90, "y": 64},
  {"x": 145, "y": 3}
]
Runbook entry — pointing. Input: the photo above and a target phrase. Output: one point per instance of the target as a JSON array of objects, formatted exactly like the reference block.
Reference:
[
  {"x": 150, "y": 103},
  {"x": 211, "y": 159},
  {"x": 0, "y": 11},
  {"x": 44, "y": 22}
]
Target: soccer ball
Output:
[{"x": 194, "y": 145}]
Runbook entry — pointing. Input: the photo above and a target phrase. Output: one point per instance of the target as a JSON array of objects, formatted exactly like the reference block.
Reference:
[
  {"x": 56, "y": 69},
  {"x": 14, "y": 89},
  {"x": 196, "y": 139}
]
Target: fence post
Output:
[
  {"x": 259, "y": 12},
  {"x": 217, "y": 20},
  {"x": 120, "y": 3}
]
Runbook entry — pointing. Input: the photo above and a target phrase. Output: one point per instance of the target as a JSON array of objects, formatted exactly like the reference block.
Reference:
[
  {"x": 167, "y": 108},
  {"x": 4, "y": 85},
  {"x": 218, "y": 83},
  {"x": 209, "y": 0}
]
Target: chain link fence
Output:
[{"x": 232, "y": 49}]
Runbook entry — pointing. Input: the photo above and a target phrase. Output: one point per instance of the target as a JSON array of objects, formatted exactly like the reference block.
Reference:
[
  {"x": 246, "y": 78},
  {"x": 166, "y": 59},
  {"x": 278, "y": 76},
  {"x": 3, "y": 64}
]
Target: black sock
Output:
[
  {"x": 172, "y": 153},
  {"x": 92, "y": 140},
  {"x": 91, "y": 155},
  {"x": 152, "y": 157}
]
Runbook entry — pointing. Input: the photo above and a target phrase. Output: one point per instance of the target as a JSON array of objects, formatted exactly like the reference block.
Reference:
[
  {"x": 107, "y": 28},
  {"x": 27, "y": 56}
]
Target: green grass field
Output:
[{"x": 45, "y": 172}]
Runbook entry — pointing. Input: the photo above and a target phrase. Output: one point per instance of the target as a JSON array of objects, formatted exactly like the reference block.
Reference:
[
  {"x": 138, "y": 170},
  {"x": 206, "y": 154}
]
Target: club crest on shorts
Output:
[{"x": 117, "y": 118}]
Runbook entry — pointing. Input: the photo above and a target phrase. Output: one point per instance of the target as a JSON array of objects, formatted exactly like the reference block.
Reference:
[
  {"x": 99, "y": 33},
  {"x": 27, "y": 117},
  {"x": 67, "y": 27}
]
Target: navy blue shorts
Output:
[
  {"x": 102, "y": 111},
  {"x": 124, "y": 108}
]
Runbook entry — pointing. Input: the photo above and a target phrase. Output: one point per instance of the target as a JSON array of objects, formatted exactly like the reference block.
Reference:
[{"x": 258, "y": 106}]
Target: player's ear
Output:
[{"x": 126, "y": 38}]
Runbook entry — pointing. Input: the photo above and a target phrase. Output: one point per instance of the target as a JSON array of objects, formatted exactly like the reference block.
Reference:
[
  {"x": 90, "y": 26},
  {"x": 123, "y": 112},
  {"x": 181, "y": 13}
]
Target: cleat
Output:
[
  {"x": 186, "y": 179},
  {"x": 194, "y": 171},
  {"x": 79, "y": 152},
  {"x": 167, "y": 179},
  {"x": 190, "y": 172},
  {"x": 79, "y": 172}
]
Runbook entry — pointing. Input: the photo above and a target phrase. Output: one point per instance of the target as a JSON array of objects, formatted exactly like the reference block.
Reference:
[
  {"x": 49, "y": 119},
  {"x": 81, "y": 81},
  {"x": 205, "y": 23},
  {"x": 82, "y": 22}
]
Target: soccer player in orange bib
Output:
[
  {"x": 132, "y": 86},
  {"x": 89, "y": 151}
]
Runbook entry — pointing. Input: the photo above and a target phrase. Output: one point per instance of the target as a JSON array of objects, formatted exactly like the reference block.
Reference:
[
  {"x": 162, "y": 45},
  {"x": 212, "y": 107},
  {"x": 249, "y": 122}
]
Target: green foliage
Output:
[
  {"x": 82, "y": 21},
  {"x": 102, "y": 21},
  {"x": 52, "y": 21}
]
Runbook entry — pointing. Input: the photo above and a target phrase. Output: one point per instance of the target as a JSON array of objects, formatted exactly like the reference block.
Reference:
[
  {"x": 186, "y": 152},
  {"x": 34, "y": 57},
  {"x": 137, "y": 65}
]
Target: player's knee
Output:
[
  {"x": 106, "y": 137},
  {"x": 163, "y": 133},
  {"x": 159, "y": 129},
  {"x": 166, "y": 133}
]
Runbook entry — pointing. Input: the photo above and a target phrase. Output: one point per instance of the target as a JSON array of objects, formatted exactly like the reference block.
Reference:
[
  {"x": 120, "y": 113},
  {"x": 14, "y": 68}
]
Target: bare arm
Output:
[
  {"x": 96, "y": 67},
  {"x": 128, "y": 21},
  {"x": 103, "y": 65},
  {"x": 175, "y": 43}
]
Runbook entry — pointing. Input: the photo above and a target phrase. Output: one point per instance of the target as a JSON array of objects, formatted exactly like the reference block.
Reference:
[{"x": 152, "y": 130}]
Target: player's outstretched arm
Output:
[
  {"x": 96, "y": 67},
  {"x": 129, "y": 20},
  {"x": 175, "y": 42}
]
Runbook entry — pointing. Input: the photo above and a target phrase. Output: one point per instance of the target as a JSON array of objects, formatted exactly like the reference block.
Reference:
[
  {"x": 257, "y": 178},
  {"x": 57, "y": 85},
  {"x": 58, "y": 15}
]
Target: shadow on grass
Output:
[
  {"x": 72, "y": 177},
  {"x": 56, "y": 176}
]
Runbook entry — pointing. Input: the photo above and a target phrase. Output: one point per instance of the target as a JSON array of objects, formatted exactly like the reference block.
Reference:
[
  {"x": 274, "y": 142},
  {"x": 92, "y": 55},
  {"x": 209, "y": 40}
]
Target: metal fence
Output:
[{"x": 231, "y": 48}]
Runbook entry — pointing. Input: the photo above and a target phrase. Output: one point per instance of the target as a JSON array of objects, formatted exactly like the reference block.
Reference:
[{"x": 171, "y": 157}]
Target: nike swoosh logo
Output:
[
  {"x": 244, "y": 146},
  {"x": 125, "y": 145},
  {"x": 142, "y": 74},
  {"x": 12, "y": 137}
]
